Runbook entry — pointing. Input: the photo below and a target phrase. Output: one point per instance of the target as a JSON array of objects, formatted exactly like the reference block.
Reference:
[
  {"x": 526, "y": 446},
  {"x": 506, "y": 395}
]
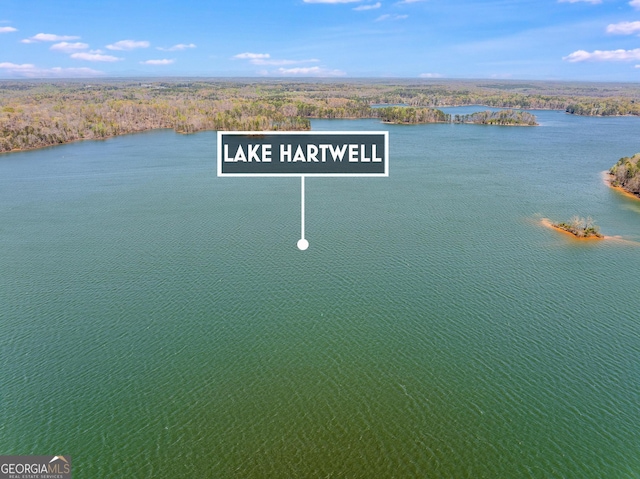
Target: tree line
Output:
[{"x": 42, "y": 113}]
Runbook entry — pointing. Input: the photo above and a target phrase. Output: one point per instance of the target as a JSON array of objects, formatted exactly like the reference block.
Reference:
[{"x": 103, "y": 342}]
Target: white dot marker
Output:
[{"x": 303, "y": 244}]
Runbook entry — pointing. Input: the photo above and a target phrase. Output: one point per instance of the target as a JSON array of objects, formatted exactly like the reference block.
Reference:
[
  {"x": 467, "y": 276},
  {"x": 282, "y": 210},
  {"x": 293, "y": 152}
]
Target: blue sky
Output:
[{"x": 595, "y": 40}]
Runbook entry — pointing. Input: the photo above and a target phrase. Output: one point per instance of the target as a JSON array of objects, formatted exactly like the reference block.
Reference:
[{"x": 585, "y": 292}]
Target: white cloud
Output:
[
  {"x": 594, "y": 2},
  {"x": 265, "y": 59},
  {"x": 67, "y": 47},
  {"x": 430, "y": 75},
  {"x": 391, "y": 16},
  {"x": 310, "y": 72},
  {"x": 95, "y": 57},
  {"x": 31, "y": 71},
  {"x": 128, "y": 45},
  {"x": 49, "y": 37},
  {"x": 635, "y": 4},
  {"x": 331, "y": 1},
  {"x": 404, "y": 2},
  {"x": 260, "y": 61},
  {"x": 623, "y": 28},
  {"x": 251, "y": 56},
  {"x": 368, "y": 7},
  {"x": 8, "y": 29},
  {"x": 603, "y": 56},
  {"x": 164, "y": 61},
  {"x": 178, "y": 47}
]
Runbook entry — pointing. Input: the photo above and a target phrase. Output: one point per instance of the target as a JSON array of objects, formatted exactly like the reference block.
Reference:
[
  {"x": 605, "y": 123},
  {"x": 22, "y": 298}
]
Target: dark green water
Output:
[{"x": 159, "y": 322}]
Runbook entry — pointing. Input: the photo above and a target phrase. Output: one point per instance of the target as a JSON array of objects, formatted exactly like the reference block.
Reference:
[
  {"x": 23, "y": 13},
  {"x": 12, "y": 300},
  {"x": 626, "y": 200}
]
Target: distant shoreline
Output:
[
  {"x": 451, "y": 122},
  {"x": 36, "y": 114},
  {"x": 76, "y": 140}
]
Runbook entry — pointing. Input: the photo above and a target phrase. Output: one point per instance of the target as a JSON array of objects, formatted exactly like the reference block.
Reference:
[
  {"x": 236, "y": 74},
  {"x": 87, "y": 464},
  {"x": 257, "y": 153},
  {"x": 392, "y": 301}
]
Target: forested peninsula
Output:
[
  {"x": 42, "y": 113},
  {"x": 625, "y": 174}
]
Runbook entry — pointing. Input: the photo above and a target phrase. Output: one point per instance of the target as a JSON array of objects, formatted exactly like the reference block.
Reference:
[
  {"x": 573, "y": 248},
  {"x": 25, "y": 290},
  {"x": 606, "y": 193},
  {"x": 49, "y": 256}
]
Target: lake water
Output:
[{"x": 159, "y": 322}]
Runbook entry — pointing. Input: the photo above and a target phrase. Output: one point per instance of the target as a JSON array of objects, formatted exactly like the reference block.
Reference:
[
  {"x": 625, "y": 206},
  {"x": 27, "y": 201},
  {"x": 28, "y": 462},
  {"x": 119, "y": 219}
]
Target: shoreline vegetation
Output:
[
  {"x": 39, "y": 113},
  {"x": 625, "y": 176}
]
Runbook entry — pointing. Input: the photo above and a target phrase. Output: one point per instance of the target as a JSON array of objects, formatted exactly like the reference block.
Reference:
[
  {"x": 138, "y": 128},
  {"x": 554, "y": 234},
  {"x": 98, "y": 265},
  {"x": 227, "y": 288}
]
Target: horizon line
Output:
[{"x": 309, "y": 79}]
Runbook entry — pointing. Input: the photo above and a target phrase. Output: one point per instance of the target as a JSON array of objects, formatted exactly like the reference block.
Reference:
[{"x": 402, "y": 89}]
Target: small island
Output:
[
  {"x": 412, "y": 116},
  {"x": 501, "y": 118},
  {"x": 625, "y": 175},
  {"x": 580, "y": 228}
]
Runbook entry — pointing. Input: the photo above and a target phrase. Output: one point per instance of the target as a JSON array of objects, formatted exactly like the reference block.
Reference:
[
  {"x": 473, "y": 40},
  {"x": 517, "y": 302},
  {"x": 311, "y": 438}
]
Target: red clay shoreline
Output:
[{"x": 606, "y": 177}]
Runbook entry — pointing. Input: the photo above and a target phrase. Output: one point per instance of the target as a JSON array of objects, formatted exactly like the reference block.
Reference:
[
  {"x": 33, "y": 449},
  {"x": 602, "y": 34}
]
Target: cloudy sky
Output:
[{"x": 520, "y": 39}]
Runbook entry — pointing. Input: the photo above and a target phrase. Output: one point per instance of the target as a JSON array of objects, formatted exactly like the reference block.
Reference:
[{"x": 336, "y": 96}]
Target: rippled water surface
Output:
[{"x": 159, "y": 322}]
